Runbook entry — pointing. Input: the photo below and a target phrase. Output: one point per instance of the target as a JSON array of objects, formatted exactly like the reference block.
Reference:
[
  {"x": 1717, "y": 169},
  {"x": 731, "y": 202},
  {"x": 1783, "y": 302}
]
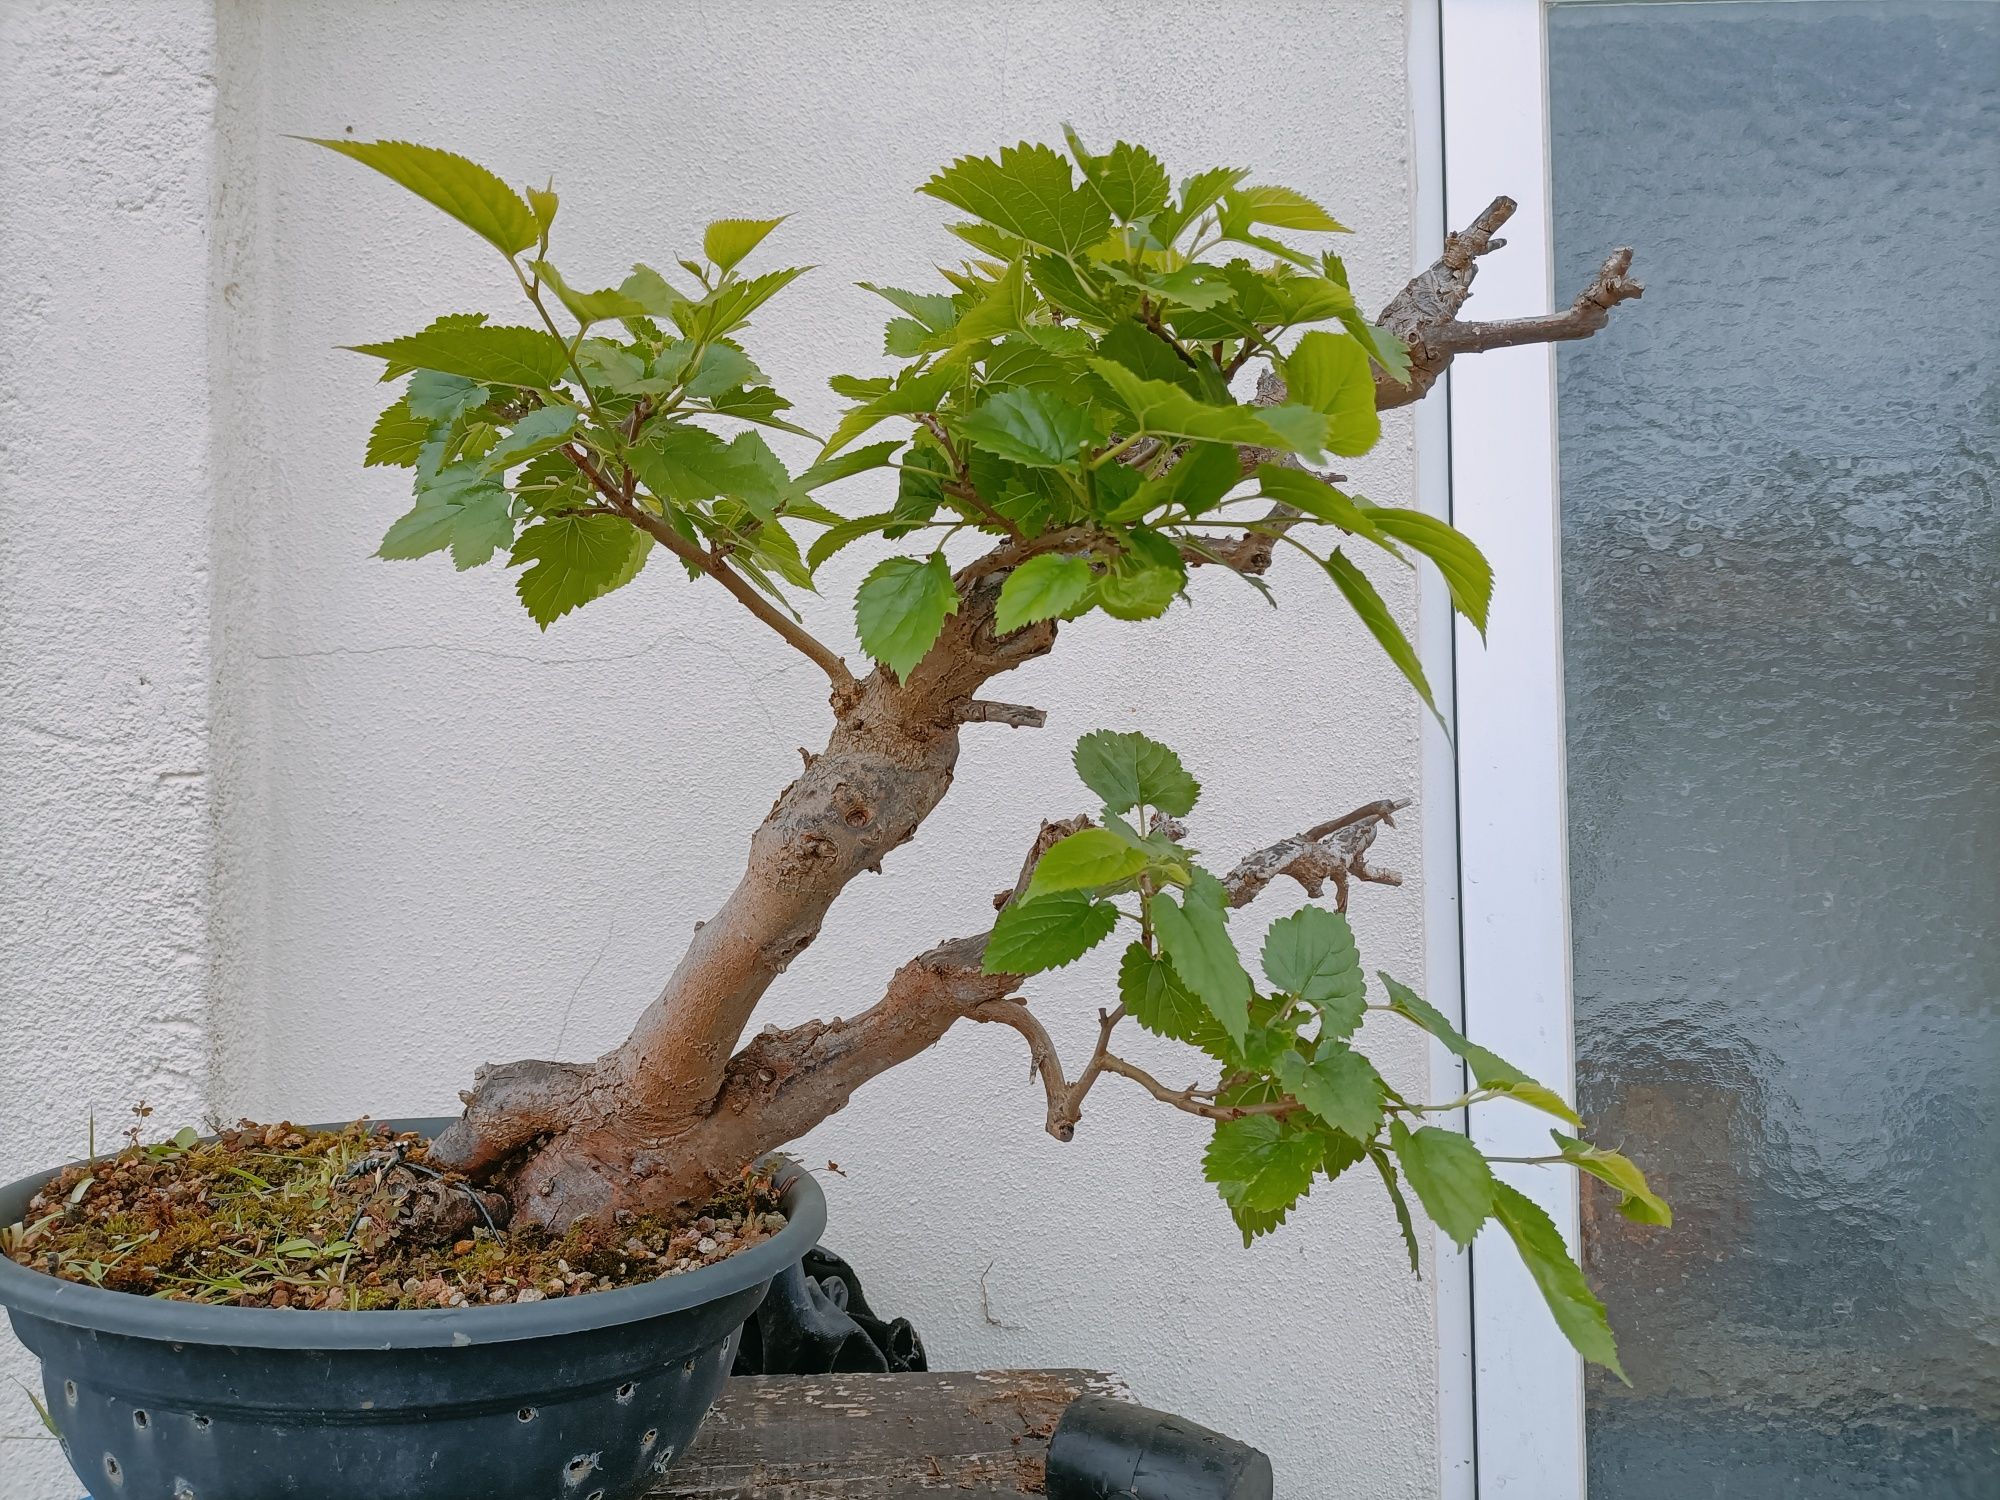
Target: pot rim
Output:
[{"x": 76, "y": 1305}]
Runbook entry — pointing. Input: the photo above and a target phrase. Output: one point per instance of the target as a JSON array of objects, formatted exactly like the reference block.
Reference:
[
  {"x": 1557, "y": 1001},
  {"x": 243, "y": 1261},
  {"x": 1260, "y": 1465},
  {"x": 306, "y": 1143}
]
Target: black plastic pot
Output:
[{"x": 575, "y": 1398}]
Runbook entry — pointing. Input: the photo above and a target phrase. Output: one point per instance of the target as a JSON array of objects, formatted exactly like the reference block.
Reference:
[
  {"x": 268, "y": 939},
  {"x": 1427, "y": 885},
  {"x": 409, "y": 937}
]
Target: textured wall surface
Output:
[
  {"x": 443, "y": 837},
  {"x": 104, "y": 588}
]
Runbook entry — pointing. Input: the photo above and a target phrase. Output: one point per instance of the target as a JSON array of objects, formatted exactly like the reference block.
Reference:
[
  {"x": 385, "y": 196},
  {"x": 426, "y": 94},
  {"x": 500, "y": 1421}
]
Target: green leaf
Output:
[
  {"x": 1577, "y": 1312},
  {"x": 478, "y": 351},
  {"x": 1047, "y": 932},
  {"x": 572, "y": 560},
  {"x": 1129, "y": 769},
  {"x": 859, "y": 461},
  {"x": 912, "y": 392},
  {"x": 1029, "y": 427},
  {"x": 1312, "y": 495},
  {"x": 542, "y": 203},
  {"x": 1195, "y": 936},
  {"x": 1046, "y": 587},
  {"x": 1374, "y": 613},
  {"x": 459, "y": 508},
  {"x": 937, "y": 313},
  {"x": 397, "y": 437},
  {"x": 1261, "y": 1168},
  {"x": 588, "y": 307},
  {"x": 1154, "y": 995},
  {"x": 1199, "y": 194},
  {"x": 727, "y": 241},
  {"x": 1282, "y": 208},
  {"x": 475, "y": 197},
  {"x": 1339, "y": 1086},
  {"x": 1637, "y": 1201},
  {"x": 540, "y": 431},
  {"x": 1452, "y": 1179},
  {"x": 687, "y": 464},
  {"x": 1401, "y": 1205},
  {"x": 442, "y": 397},
  {"x": 834, "y": 538},
  {"x": 1204, "y": 473},
  {"x": 1029, "y": 192},
  {"x": 1312, "y": 954},
  {"x": 1128, "y": 178},
  {"x": 1086, "y": 860},
  {"x": 1464, "y": 567},
  {"x": 729, "y": 306},
  {"x": 1140, "y": 582},
  {"x": 901, "y": 608},
  {"x": 1162, "y": 410},
  {"x": 1330, "y": 373},
  {"x": 1489, "y": 1069},
  {"x": 1147, "y": 355}
]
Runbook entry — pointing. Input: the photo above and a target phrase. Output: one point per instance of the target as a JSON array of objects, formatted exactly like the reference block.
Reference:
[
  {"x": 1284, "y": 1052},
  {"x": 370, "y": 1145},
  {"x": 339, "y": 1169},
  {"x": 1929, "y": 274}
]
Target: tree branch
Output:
[
  {"x": 796, "y": 635},
  {"x": 1335, "y": 850},
  {"x": 1425, "y": 313}
]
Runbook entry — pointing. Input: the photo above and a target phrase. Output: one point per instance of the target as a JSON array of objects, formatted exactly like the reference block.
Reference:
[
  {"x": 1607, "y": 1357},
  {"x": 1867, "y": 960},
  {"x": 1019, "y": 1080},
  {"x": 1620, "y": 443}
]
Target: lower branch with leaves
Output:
[{"x": 1075, "y": 444}]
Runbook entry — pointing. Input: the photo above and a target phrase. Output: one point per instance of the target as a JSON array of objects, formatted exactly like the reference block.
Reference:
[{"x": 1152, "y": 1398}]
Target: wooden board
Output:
[{"x": 973, "y": 1435}]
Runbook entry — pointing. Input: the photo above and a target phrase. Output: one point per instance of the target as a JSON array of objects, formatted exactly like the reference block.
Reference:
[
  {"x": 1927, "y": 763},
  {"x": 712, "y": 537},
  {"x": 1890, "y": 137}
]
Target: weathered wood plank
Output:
[{"x": 973, "y": 1435}]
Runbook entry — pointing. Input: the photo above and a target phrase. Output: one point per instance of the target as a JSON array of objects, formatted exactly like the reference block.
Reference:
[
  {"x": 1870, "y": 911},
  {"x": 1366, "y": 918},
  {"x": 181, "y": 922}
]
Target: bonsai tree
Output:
[{"x": 1126, "y": 386}]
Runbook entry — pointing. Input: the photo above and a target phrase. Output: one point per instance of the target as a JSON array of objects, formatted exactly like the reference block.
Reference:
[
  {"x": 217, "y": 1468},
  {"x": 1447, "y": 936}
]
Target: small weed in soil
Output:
[{"x": 282, "y": 1216}]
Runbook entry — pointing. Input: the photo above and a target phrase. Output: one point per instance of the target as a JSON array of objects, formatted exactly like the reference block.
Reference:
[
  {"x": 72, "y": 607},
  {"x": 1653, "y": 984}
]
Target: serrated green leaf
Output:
[
  {"x": 912, "y": 392},
  {"x": 834, "y": 538},
  {"x": 859, "y": 461},
  {"x": 540, "y": 431},
  {"x": 478, "y": 351},
  {"x": 1387, "y": 1169},
  {"x": 1577, "y": 1312},
  {"x": 588, "y": 307},
  {"x": 1312, "y": 954},
  {"x": 1147, "y": 355},
  {"x": 1031, "y": 936},
  {"x": 1452, "y": 1180},
  {"x": 1199, "y": 194},
  {"x": 1047, "y": 587},
  {"x": 442, "y": 397},
  {"x": 462, "y": 511},
  {"x": 1030, "y": 427},
  {"x": 1463, "y": 566},
  {"x": 1309, "y": 494},
  {"x": 727, "y": 241},
  {"x": 1338, "y": 1086},
  {"x": 1330, "y": 373},
  {"x": 1129, "y": 179},
  {"x": 654, "y": 292},
  {"x": 1030, "y": 193},
  {"x": 1161, "y": 410},
  {"x": 1261, "y": 1167},
  {"x": 935, "y": 312},
  {"x": 1194, "y": 934},
  {"x": 728, "y": 307},
  {"x": 471, "y": 194},
  {"x": 901, "y": 608},
  {"x": 1153, "y": 994},
  {"x": 1374, "y": 613},
  {"x": 397, "y": 437},
  {"x": 1489, "y": 1069},
  {"x": 571, "y": 560},
  {"x": 1637, "y": 1201},
  {"x": 1128, "y": 769},
  {"x": 542, "y": 203},
  {"x": 686, "y": 464},
  {"x": 1282, "y": 208},
  {"x": 1087, "y": 860}
]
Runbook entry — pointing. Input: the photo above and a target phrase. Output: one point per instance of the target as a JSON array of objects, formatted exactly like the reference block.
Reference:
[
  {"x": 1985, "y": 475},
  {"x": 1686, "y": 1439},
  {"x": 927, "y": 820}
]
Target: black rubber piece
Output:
[
  {"x": 586, "y": 1398},
  {"x": 817, "y": 1321},
  {"x": 1105, "y": 1449}
]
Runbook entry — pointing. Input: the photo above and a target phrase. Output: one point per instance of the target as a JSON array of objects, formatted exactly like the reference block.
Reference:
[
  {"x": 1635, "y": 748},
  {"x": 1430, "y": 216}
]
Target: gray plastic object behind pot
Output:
[
  {"x": 576, "y": 1398},
  {"x": 1105, "y": 1449}
]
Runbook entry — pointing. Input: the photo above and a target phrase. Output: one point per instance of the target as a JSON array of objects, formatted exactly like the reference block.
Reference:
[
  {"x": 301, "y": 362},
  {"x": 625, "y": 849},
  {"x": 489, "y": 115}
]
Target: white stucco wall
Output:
[{"x": 361, "y": 827}]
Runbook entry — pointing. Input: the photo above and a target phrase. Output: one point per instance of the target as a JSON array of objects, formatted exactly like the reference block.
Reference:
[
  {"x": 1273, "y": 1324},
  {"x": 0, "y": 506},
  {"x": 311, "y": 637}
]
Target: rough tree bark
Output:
[{"x": 678, "y": 1109}]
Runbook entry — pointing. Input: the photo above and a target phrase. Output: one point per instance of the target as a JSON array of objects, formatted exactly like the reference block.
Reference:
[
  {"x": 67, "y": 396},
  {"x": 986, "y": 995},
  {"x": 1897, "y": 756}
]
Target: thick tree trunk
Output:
[{"x": 639, "y": 1129}]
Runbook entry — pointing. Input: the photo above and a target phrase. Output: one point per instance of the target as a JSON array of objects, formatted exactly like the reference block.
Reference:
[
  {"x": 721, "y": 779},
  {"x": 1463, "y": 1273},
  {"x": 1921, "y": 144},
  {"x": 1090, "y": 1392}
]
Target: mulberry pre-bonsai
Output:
[{"x": 1125, "y": 384}]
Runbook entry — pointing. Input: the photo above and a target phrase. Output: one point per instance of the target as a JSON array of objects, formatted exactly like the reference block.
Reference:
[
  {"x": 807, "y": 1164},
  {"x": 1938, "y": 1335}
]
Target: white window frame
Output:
[{"x": 1517, "y": 1431}]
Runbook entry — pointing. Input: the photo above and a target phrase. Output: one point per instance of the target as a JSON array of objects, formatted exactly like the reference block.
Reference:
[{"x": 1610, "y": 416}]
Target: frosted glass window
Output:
[{"x": 1780, "y": 552}]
